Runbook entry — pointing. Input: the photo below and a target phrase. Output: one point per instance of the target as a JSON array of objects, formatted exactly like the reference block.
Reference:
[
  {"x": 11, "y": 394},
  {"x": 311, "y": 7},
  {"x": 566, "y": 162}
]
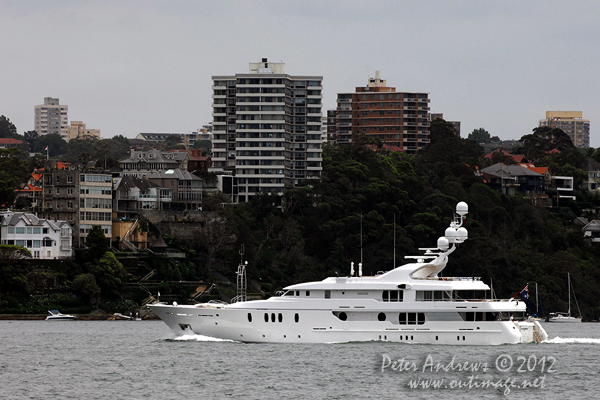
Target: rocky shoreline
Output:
[{"x": 144, "y": 315}]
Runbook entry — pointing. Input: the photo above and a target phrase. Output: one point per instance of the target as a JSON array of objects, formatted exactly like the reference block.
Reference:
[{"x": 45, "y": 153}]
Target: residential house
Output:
[
  {"x": 592, "y": 182},
  {"x": 592, "y": 231},
  {"x": 143, "y": 162},
  {"x": 45, "y": 239},
  {"x": 513, "y": 179},
  {"x": 186, "y": 188},
  {"x": 7, "y": 143},
  {"x": 133, "y": 194}
]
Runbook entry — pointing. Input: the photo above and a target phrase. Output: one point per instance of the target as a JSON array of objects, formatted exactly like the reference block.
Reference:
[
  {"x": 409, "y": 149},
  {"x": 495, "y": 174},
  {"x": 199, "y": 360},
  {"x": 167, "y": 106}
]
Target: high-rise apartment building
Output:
[
  {"x": 396, "y": 118},
  {"x": 51, "y": 117},
  {"x": 572, "y": 123},
  {"x": 267, "y": 129}
]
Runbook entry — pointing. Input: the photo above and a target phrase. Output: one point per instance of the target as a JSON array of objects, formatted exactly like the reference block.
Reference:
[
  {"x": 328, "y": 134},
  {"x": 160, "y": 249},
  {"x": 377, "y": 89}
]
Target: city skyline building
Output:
[
  {"x": 399, "y": 119},
  {"x": 52, "y": 117},
  {"x": 267, "y": 129},
  {"x": 572, "y": 123},
  {"x": 79, "y": 130}
]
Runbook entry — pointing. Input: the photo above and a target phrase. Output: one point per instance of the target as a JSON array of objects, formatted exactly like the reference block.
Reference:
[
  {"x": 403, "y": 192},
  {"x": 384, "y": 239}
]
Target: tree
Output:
[
  {"x": 96, "y": 243},
  {"x": 480, "y": 135},
  {"x": 85, "y": 286},
  {"x": 14, "y": 172},
  {"x": 441, "y": 129},
  {"x": 55, "y": 143},
  {"x": 543, "y": 139},
  {"x": 204, "y": 145},
  {"x": 110, "y": 275},
  {"x": 7, "y": 128}
]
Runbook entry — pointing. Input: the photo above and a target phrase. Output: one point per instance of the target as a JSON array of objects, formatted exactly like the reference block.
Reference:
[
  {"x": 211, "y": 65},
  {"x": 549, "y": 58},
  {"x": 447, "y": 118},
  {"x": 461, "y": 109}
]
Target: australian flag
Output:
[{"x": 525, "y": 295}]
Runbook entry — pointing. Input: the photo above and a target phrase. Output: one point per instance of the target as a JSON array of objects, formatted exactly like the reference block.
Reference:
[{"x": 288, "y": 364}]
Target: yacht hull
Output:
[{"x": 320, "y": 326}]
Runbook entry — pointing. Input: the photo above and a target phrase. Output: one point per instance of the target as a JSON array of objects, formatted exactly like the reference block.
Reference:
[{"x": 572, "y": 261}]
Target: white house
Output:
[{"x": 44, "y": 238}]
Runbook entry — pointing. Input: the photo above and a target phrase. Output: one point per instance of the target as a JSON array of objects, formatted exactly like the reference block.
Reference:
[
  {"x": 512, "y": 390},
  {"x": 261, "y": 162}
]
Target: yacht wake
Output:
[
  {"x": 192, "y": 337},
  {"x": 559, "y": 340}
]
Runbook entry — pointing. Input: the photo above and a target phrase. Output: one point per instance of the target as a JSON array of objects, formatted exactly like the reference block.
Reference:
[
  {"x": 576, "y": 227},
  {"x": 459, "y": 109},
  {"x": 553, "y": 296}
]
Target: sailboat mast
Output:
[
  {"x": 537, "y": 302},
  {"x": 569, "y": 286}
]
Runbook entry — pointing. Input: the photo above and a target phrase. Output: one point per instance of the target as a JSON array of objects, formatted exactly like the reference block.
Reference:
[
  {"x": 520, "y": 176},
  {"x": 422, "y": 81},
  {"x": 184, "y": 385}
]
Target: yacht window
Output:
[
  {"x": 280, "y": 317},
  {"x": 308, "y": 292},
  {"x": 392, "y": 295},
  {"x": 297, "y": 318},
  {"x": 343, "y": 316},
  {"x": 266, "y": 317},
  {"x": 272, "y": 317},
  {"x": 381, "y": 316},
  {"x": 469, "y": 294},
  {"x": 249, "y": 317},
  {"x": 297, "y": 293},
  {"x": 328, "y": 294},
  {"x": 433, "y": 295},
  {"x": 411, "y": 318}
]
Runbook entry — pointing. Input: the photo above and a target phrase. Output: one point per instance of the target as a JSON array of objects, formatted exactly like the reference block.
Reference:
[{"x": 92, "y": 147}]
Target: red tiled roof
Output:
[{"x": 10, "y": 141}]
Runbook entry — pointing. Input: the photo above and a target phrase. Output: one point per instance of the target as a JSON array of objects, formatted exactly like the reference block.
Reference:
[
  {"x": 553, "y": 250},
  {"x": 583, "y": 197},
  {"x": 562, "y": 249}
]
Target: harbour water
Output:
[{"x": 145, "y": 360}]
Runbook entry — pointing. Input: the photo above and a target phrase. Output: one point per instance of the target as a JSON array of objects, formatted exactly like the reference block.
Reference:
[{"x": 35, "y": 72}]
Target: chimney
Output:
[{"x": 131, "y": 151}]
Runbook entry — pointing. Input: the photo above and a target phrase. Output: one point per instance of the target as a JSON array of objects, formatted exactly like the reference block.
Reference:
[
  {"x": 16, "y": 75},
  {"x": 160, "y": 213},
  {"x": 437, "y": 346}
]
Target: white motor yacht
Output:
[
  {"x": 55, "y": 315},
  {"x": 410, "y": 303}
]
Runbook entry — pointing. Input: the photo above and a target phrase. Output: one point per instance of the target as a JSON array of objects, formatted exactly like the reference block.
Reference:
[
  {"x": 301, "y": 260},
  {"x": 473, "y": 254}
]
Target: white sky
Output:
[{"x": 126, "y": 67}]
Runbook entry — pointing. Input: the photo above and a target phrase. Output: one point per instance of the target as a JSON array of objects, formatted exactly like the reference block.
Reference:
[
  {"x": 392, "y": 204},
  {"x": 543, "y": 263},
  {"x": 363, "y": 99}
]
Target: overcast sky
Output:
[{"x": 126, "y": 67}]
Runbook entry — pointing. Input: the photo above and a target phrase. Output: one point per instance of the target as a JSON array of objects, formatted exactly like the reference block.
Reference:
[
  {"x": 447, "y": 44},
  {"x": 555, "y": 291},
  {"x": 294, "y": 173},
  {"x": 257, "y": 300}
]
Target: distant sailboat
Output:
[
  {"x": 566, "y": 317},
  {"x": 536, "y": 317}
]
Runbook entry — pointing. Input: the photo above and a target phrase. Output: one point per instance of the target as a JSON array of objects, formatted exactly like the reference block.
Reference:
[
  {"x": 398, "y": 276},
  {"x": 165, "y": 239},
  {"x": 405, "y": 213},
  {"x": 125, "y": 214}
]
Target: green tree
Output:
[
  {"x": 86, "y": 287},
  {"x": 7, "y": 128},
  {"x": 480, "y": 135},
  {"x": 78, "y": 151},
  {"x": 110, "y": 276},
  {"x": 542, "y": 140},
  {"x": 440, "y": 129},
  {"x": 204, "y": 145},
  {"x": 96, "y": 243},
  {"x": 14, "y": 172},
  {"x": 56, "y": 145}
]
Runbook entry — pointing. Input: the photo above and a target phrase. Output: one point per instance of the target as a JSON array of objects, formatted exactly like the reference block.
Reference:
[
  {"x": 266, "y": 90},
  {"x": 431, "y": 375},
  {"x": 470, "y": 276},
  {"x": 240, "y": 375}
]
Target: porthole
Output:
[
  {"x": 297, "y": 318},
  {"x": 266, "y": 317},
  {"x": 280, "y": 317},
  {"x": 381, "y": 316},
  {"x": 463, "y": 338},
  {"x": 343, "y": 316},
  {"x": 272, "y": 317},
  {"x": 436, "y": 338},
  {"x": 458, "y": 338},
  {"x": 249, "y": 317}
]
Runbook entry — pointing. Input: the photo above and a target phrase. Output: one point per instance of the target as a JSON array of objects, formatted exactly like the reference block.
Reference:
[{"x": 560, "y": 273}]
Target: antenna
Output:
[
  {"x": 394, "y": 266},
  {"x": 361, "y": 244}
]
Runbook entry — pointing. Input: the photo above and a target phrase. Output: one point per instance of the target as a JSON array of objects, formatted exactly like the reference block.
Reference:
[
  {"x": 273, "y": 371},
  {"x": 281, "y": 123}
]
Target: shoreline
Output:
[{"x": 146, "y": 315}]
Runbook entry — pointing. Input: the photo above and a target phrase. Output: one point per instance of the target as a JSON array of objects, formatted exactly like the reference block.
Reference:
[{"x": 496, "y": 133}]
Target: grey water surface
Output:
[{"x": 145, "y": 360}]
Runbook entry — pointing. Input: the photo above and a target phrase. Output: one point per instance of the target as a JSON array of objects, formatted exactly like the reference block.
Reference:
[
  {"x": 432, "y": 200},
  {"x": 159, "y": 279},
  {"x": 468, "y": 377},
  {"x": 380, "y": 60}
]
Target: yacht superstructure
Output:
[{"x": 410, "y": 303}]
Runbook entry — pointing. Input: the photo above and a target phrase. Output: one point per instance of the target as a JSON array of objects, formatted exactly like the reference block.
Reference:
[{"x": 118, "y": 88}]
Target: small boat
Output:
[
  {"x": 566, "y": 317},
  {"x": 55, "y": 315}
]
